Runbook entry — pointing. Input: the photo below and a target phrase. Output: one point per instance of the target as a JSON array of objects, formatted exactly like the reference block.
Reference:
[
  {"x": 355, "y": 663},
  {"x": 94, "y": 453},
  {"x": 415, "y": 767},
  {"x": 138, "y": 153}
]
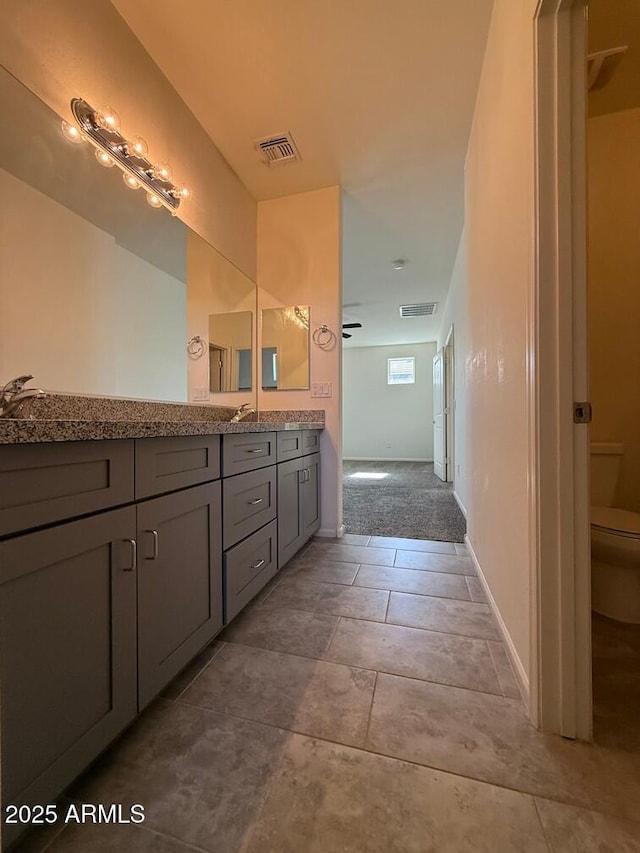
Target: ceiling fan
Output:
[{"x": 350, "y": 326}]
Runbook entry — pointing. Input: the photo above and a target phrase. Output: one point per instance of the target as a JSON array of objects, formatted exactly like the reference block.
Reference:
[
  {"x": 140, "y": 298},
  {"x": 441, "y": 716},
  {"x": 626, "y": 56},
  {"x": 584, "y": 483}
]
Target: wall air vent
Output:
[
  {"x": 278, "y": 149},
  {"x": 418, "y": 309}
]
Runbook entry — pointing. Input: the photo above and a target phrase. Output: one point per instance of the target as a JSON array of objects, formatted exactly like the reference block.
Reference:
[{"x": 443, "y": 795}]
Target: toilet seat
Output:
[{"x": 619, "y": 522}]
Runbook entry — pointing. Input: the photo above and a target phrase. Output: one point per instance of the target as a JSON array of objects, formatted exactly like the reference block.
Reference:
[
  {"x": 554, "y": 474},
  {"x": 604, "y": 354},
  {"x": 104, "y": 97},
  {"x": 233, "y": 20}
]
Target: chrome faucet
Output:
[
  {"x": 16, "y": 400},
  {"x": 244, "y": 411}
]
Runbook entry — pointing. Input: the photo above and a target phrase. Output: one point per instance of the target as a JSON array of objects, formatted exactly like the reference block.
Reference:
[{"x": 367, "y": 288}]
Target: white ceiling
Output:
[{"x": 379, "y": 97}]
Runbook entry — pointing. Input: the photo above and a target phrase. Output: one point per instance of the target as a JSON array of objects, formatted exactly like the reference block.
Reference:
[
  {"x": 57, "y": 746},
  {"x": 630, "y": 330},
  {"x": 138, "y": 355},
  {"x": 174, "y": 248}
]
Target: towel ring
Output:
[
  {"x": 196, "y": 346},
  {"x": 323, "y": 337}
]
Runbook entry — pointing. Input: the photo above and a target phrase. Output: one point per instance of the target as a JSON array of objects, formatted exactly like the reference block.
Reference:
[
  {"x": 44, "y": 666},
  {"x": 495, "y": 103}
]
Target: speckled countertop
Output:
[{"x": 36, "y": 431}]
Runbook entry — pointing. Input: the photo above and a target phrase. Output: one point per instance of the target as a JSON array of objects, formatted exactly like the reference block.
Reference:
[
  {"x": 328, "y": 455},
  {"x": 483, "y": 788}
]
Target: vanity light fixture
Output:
[{"x": 102, "y": 129}]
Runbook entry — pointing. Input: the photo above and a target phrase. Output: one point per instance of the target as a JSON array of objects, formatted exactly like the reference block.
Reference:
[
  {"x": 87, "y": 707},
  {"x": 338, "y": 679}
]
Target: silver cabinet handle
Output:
[
  {"x": 255, "y": 502},
  {"x": 258, "y": 565},
  {"x": 154, "y": 533},
  {"x": 308, "y": 470},
  {"x": 301, "y": 476},
  {"x": 258, "y": 450},
  {"x": 134, "y": 555}
]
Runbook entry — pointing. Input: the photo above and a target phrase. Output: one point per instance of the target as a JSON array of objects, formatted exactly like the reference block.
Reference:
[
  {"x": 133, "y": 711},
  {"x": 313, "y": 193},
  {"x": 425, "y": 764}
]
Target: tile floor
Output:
[{"x": 363, "y": 703}]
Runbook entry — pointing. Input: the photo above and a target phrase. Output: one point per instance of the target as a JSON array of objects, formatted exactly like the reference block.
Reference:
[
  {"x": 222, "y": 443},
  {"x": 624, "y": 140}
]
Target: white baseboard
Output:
[
  {"x": 385, "y": 459},
  {"x": 463, "y": 508},
  {"x": 518, "y": 668},
  {"x": 330, "y": 532}
]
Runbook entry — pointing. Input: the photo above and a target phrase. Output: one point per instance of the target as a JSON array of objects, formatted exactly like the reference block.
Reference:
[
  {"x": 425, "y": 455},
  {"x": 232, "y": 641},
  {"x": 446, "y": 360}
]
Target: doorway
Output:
[{"x": 444, "y": 411}]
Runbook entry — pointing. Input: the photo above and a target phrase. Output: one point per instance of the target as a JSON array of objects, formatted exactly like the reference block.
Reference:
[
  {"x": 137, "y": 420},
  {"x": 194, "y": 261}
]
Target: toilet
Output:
[{"x": 615, "y": 540}]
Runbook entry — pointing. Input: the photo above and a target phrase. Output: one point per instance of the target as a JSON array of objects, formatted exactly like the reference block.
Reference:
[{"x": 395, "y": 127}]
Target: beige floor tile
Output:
[
  {"x": 462, "y": 549},
  {"x": 433, "y": 562},
  {"x": 436, "y": 614},
  {"x": 324, "y": 570},
  {"x": 570, "y": 829},
  {"x": 184, "y": 679},
  {"x": 427, "y": 655},
  {"x": 316, "y": 698},
  {"x": 475, "y": 590},
  {"x": 408, "y": 580},
  {"x": 428, "y": 545},
  {"x": 352, "y": 553},
  {"x": 334, "y": 799},
  {"x": 504, "y": 671},
  {"x": 339, "y": 600},
  {"x": 201, "y": 776},
  {"x": 490, "y": 738},
  {"x": 346, "y": 539},
  {"x": 294, "y": 631},
  {"x": 113, "y": 838}
]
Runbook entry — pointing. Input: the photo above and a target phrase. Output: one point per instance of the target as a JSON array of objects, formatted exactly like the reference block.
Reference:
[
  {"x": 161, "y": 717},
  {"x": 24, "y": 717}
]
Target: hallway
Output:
[{"x": 363, "y": 703}]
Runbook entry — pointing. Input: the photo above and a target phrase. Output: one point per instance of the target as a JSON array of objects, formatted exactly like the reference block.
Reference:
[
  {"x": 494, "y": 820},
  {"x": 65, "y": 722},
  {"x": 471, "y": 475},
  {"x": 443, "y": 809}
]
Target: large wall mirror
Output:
[
  {"x": 99, "y": 292},
  {"x": 285, "y": 348}
]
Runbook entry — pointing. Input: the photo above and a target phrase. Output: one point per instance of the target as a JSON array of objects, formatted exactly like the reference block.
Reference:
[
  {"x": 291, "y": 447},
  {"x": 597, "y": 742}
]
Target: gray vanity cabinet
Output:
[
  {"x": 68, "y": 641},
  {"x": 298, "y": 504},
  {"x": 179, "y": 583}
]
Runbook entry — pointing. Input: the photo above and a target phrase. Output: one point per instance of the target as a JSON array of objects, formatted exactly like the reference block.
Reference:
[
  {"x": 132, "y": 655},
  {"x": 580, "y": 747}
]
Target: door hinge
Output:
[{"x": 582, "y": 413}]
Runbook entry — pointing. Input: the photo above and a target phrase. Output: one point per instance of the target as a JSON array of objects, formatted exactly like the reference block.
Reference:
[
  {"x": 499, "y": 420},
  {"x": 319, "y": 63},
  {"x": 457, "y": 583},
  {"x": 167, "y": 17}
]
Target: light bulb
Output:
[
  {"x": 108, "y": 118},
  {"x": 184, "y": 192},
  {"x": 163, "y": 171},
  {"x": 130, "y": 181},
  {"x": 139, "y": 147},
  {"x": 103, "y": 158},
  {"x": 71, "y": 132},
  {"x": 154, "y": 200}
]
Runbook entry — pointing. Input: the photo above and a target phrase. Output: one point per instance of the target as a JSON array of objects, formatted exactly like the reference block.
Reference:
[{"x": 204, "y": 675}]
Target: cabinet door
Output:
[
  {"x": 290, "y": 533},
  {"x": 310, "y": 496},
  {"x": 179, "y": 583},
  {"x": 68, "y": 640}
]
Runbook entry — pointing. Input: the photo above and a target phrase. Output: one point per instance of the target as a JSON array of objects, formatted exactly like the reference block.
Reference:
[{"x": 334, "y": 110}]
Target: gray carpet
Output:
[{"x": 411, "y": 502}]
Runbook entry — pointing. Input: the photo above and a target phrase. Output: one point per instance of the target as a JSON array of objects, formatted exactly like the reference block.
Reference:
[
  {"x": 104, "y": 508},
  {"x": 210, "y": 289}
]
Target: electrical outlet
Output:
[
  {"x": 200, "y": 393},
  {"x": 321, "y": 389}
]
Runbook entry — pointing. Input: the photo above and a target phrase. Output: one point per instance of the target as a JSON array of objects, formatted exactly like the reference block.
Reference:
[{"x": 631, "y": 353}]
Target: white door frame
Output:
[
  {"x": 450, "y": 405},
  {"x": 557, "y": 369}
]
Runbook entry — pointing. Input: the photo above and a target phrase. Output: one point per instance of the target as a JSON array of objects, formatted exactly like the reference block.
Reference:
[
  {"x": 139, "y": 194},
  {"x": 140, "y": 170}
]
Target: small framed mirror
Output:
[
  {"x": 285, "y": 348},
  {"x": 230, "y": 352}
]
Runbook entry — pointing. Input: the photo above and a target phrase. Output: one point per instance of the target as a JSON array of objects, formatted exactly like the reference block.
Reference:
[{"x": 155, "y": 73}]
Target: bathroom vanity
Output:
[{"x": 120, "y": 559}]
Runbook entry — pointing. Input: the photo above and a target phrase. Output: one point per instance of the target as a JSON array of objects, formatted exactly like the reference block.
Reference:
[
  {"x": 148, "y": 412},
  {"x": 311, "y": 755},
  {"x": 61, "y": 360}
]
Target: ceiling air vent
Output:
[
  {"x": 418, "y": 309},
  {"x": 278, "y": 149}
]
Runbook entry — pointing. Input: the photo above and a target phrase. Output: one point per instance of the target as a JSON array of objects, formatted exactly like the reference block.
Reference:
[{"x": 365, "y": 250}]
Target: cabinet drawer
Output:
[
  {"x": 248, "y": 503},
  {"x": 310, "y": 441},
  {"x": 44, "y": 483},
  {"x": 246, "y": 452},
  {"x": 167, "y": 464},
  {"x": 248, "y": 567},
  {"x": 289, "y": 445}
]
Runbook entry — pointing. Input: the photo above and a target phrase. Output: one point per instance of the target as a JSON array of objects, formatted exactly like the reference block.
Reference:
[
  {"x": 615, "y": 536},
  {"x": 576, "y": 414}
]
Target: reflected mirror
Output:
[
  {"x": 99, "y": 292},
  {"x": 230, "y": 352},
  {"x": 285, "y": 348}
]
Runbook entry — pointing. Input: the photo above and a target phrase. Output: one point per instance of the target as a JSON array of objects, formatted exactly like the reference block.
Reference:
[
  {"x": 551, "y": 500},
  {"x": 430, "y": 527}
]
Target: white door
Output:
[{"x": 439, "y": 415}]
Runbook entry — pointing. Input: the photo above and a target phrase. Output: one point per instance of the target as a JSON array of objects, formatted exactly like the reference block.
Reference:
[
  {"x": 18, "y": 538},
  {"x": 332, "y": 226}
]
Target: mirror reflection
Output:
[
  {"x": 230, "y": 352},
  {"x": 99, "y": 292},
  {"x": 285, "y": 348}
]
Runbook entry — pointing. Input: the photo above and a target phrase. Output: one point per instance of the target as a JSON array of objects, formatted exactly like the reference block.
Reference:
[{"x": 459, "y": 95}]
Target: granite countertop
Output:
[{"x": 42, "y": 430}]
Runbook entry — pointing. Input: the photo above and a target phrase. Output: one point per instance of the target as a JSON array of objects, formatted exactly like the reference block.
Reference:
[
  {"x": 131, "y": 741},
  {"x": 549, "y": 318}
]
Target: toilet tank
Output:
[{"x": 606, "y": 459}]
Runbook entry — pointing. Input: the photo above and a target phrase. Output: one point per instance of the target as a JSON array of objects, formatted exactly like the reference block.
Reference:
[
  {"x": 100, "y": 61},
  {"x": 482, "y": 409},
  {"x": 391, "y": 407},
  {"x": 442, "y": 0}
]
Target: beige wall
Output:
[
  {"x": 614, "y": 289},
  {"x": 382, "y": 421},
  {"x": 299, "y": 263},
  {"x": 62, "y": 49},
  {"x": 489, "y": 306}
]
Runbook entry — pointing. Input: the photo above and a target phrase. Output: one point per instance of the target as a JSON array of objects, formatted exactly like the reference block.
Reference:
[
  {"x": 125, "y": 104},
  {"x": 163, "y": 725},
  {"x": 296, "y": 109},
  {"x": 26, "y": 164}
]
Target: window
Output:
[{"x": 401, "y": 371}]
